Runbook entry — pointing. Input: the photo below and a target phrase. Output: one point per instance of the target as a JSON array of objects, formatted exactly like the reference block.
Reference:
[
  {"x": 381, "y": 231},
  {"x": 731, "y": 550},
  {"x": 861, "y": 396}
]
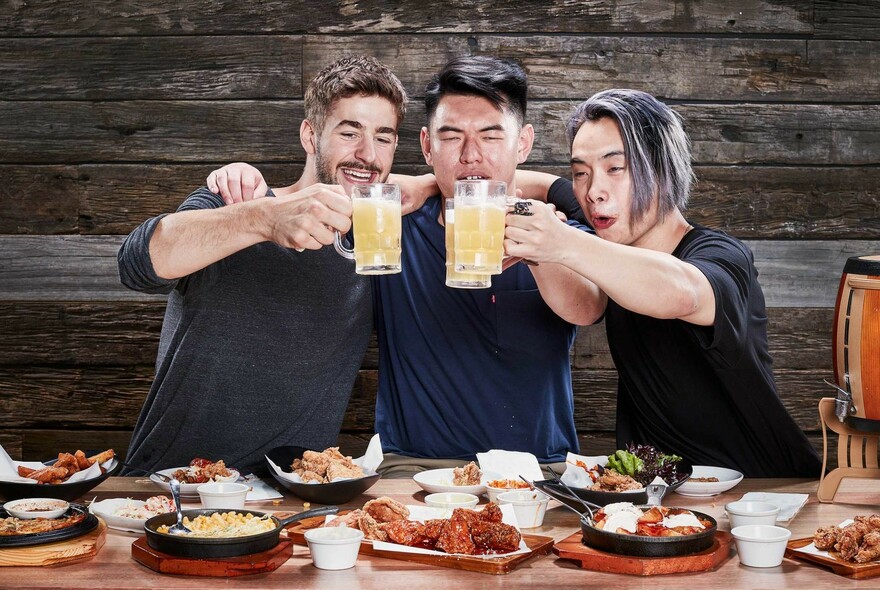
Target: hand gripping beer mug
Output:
[
  {"x": 480, "y": 210},
  {"x": 460, "y": 280},
  {"x": 376, "y": 226}
]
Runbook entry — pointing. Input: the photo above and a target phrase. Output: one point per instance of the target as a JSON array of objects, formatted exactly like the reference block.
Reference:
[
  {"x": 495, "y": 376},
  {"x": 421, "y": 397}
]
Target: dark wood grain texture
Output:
[
  {"x": 205, "y": 17},
  {"x": 157, "y": 68},
  {"x": 67, "y": 132}
]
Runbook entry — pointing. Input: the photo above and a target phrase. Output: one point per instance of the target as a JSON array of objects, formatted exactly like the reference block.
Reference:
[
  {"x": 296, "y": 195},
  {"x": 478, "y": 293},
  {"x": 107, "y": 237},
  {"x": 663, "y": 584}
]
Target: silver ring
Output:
[{"x": 522, "y": 208}]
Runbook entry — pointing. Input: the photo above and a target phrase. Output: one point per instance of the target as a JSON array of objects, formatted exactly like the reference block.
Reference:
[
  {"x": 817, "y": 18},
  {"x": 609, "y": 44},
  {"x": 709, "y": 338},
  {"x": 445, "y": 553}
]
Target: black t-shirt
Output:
[{"x": 707, "y": 392}]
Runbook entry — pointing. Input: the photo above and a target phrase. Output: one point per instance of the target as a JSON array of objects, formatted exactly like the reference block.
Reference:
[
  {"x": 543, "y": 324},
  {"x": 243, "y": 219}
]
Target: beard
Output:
[{"x": 327, "y": 175}]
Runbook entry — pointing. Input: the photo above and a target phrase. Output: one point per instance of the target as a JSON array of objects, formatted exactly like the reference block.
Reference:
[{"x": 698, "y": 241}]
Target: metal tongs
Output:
[{"x": 571, "y": 495}]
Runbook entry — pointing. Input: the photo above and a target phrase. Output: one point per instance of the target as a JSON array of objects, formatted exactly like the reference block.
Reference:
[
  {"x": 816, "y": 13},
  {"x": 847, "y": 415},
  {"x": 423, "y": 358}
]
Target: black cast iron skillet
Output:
[
  {"x": 643, "y": 546},
  {"x": 207, "y": 548}
]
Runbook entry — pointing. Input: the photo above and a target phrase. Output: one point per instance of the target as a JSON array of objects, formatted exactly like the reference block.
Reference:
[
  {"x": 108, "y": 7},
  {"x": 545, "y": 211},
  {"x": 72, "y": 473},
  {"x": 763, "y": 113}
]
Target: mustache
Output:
[{"x": 360, "y": 166}]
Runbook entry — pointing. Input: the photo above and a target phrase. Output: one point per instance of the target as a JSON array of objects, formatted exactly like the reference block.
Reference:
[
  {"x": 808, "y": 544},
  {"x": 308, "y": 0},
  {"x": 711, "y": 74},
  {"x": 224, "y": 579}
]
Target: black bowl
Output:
[
  {"x": 337, "y": 492},
  {"x": 642, "y": 546},
  {"x": 12, "y": 490},
  {"x": 684, "y": 469}
]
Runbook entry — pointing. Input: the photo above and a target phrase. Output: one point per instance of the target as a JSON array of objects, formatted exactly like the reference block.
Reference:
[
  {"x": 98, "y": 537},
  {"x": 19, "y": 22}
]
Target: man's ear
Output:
[
  {"x": 307, "y": 137},
  {"x": 526, "y": 140},
  {"x": 425, "y": 141}
]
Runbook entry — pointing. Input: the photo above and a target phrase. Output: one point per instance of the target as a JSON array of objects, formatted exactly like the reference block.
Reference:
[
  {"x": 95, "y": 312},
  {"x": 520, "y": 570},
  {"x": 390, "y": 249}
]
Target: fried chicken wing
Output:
[
  {"x": 870, "y": 548},
  {"x": 406, "y": 532},
  {"x": 491, "y": 513},
  {"x": 386, "y": 509},
  {"x": 826, "y": 537},
  {"x": 433, "y": 528},
  {"x": 372, "y": 529},
  {"x": 495, "y": 537},
  {"x": 340, "y": 470},
  {"x": 455, "y": 537}
]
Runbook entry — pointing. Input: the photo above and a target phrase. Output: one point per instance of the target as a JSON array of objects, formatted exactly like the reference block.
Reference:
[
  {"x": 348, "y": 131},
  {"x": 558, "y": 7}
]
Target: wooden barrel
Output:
[{"x": 856, "y": 345}]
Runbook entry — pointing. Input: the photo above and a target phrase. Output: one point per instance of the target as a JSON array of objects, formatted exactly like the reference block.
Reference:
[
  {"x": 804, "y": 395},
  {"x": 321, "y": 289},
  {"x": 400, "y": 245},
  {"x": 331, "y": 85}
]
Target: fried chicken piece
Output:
[
  {"x": 611, "y": 481},
  {"x": 316, "y": 462},
  {"x": 297, "y": 466},
  {"x": 406, "y": 532},
  {"x": 333, "y": 454},
  {"x": 469, "y": 475},
  {"x": 350, "y": 520},
  {"x": 851, "y": 537},
  {"x": 81, "y": 460},
  {"x": 48, "y": 474},
  {"x": 386, "y": 509},
  {"x": 340, "y": 470},
  {"x": 872, "y": 521},
  {"x": 467, "y": 515},
  {"x": 826, "y": 537},
  {"x": 870, "y": 548},
  {"x": 491, "y": 513},
  {"x": 433, "y": 528},
  {"x": 308, "y": 476},
  {"x": 455, "y": 537},
  {"x": 372, "y": 529},
  {"x": 215, "y": 469},
  {"x": 495, "y": 537}
]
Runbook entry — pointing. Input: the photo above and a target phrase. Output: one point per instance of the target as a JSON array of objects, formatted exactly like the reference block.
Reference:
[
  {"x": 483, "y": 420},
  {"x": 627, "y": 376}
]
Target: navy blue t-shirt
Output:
[{"x": 462, "y": 371}]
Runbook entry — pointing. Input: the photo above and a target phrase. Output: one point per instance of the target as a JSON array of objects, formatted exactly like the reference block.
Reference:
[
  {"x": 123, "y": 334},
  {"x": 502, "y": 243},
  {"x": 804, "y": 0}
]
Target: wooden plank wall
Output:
[{"x": 111, "y": 112}]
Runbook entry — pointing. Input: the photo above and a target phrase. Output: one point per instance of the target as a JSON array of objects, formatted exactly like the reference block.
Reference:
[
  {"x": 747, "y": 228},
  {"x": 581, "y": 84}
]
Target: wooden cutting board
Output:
[
  {"x": 222, "y": 567},
  {"x": 837, "y": 565},
  {"x": 67, "y": 551},
  {"x": 538, "y": 544},
  {"x": 601, "y": 561}
]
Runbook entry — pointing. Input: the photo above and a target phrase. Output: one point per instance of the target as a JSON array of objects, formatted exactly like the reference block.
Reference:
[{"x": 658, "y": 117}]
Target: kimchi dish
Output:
[{"x": 657, "y": 521}]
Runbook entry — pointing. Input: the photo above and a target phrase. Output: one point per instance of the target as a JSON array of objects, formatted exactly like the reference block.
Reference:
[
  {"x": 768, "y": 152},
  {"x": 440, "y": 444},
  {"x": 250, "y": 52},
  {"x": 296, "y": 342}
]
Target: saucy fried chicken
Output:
[
  {"x": 406, "y": 532},
  {"x": 455, "y": 537},
  {"x": 495, "y": 537}
]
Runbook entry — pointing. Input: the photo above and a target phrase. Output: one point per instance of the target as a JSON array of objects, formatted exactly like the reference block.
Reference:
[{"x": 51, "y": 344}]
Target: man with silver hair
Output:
[{"x": 685, "y": 315}]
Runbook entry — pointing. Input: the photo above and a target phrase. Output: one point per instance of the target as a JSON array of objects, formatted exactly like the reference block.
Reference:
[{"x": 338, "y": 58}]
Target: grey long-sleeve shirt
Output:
[{"x": 258, "y": 350}]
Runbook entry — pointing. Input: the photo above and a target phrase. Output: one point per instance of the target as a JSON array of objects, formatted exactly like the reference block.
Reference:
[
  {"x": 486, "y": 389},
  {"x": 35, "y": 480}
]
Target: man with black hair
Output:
[{"x": 463, "y": 371}]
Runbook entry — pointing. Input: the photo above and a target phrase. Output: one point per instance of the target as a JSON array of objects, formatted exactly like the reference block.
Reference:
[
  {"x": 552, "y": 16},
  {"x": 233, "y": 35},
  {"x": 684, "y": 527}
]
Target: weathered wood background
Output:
[{"x": 111, "y": 112}]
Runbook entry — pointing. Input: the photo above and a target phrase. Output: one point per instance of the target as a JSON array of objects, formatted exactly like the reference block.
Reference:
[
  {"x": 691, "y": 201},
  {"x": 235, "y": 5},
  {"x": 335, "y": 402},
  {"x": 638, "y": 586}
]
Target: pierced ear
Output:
[
  {"x": 526, "y": 141},
  {"x": 425, "y": 141},
  {"x": 307, "y": 137}
]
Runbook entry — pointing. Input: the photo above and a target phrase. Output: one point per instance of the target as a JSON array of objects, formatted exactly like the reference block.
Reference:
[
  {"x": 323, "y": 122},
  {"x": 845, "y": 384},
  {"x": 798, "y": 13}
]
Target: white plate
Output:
[
  {"x": 106, "y": 508},
  {"x": 437, "y": 481},
  {"x": 187, "y": 490},
  {"x": 727, "y": 478}
]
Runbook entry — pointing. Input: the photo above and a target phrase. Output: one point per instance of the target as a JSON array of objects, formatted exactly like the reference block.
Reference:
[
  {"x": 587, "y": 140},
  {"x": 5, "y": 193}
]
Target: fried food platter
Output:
[
  {"x": 803, "y": 549},
  {"x": 76, "y": 521},
  {"x": 537, "y": 545}
]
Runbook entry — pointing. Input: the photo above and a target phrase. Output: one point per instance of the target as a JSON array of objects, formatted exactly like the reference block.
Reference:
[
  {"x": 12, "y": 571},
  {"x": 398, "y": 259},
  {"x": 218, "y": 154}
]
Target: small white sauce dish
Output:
[
  {"x": 760, "y": 545},
  {"x": 528, "y": 506},
  {"x": 223, "y": 494},
  {"x": 334, "y": 548},
  {"x": 30, "y": 508},
  {"x": 451, "y": 500},
  {"x": 746, "y": 513}
]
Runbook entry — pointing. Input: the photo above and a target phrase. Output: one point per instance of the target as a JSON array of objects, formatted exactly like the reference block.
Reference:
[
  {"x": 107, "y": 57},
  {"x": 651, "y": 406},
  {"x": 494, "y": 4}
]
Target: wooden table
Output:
[{"x": 114, "y": 568}]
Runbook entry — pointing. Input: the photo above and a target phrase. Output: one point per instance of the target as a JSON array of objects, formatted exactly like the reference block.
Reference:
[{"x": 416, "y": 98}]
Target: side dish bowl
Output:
[
  {"x": 336, "y": 492},
  {"x": 30, "y": 508},
  {"x": 70, "y": 491}
]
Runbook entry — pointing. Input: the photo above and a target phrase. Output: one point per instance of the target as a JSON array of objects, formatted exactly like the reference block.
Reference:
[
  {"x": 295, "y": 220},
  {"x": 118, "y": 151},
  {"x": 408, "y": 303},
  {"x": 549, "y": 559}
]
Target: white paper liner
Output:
[{"x": 510, "y": 464}]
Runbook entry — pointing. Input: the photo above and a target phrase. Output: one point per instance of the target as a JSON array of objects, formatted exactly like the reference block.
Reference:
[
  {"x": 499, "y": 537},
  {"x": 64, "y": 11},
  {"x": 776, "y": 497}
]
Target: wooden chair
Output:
[{"x": 856, "y": 452}]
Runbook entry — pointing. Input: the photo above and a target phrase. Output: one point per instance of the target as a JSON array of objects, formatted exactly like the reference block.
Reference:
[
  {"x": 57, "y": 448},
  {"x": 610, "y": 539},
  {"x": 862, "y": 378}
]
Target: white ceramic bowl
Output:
[
  {"x": 749, "y": 513},
  {"x": 760, "y": 545},
  {"x": 528, "y": 506},
  {"x": 494, "y": 492},
  {"x": 334, "y": 548},
  {"x": 29, "y": 508},
  {"x": 223, "y": 494},
  {"x": 435, "y": 481},
  {"x": 727, "y": 479},
  {"x": 451, "y": 500}
]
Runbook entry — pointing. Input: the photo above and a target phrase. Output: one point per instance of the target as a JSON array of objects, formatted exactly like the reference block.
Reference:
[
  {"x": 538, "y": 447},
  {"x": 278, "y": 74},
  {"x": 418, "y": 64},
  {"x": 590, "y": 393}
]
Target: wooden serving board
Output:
[
  {"x": 602, "y": 561},
  {"x": 67, "y": 551},
  {"x": 539, "y": 545},
  {"x": 837, "y": 565},
  {"x": 223, "y": 567}
]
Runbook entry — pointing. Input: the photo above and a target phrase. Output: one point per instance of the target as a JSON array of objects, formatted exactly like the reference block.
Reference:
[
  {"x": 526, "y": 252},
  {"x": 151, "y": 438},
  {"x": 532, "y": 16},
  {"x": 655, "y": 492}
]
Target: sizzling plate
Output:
[{"x": 82, "y": 527}]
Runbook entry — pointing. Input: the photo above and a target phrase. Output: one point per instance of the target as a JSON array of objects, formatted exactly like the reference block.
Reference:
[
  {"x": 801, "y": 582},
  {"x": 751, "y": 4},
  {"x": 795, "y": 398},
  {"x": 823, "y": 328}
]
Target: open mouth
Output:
[
  {"x": 602, "y": 222},
  {"x": 474, "y": 177},
  {"x": 359, "y": 175}
]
